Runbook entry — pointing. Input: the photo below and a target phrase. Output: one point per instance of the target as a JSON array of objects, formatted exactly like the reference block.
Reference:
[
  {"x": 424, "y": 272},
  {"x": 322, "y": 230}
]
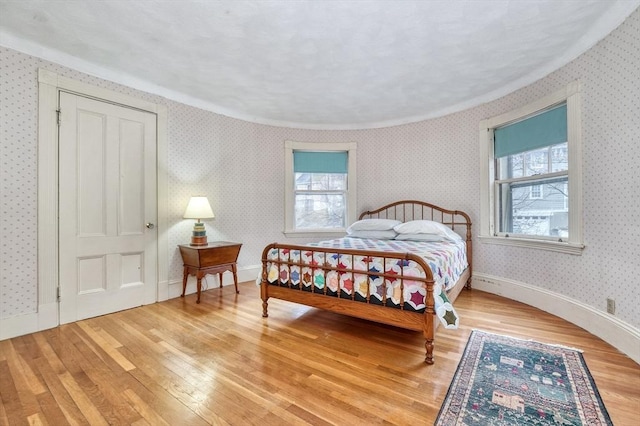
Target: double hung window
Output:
[
  {"x": 531, "y": 173},
  {"x": 320, "y": 192},
  {"x": 531, "y": 170}
]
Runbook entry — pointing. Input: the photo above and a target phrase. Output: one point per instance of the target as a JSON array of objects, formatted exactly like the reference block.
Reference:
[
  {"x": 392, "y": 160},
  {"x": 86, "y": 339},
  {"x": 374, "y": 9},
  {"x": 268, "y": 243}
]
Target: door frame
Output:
[{"x": 50, "y": 84}]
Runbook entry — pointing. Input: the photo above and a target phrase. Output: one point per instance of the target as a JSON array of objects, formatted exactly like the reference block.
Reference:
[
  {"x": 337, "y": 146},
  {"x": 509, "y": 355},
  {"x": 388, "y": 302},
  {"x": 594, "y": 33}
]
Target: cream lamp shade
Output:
[{"x": 199, "y": 208}]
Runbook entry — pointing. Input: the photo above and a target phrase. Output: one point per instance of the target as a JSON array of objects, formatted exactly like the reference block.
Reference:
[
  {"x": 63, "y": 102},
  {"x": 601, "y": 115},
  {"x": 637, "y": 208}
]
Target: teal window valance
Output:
[
  {"x": 545, "y": 129},
  {"x": 320, "y": 161}
]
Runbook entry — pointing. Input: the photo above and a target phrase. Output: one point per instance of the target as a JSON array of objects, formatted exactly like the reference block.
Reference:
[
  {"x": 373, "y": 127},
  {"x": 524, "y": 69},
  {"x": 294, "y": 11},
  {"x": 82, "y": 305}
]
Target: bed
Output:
[{"x": 408, "y": 277}]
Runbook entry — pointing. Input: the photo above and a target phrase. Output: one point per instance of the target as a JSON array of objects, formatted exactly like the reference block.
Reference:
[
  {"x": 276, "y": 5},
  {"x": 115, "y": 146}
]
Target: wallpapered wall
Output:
[{"x": 239, "y": 165}]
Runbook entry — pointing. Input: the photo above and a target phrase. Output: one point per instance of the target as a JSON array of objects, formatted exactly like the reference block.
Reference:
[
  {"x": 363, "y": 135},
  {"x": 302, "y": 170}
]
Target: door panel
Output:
[
  {"x": 91, "y": 274},
  {"x": 107, "y": 194},
  {"x": 91, "y": 173},
  {"x": 131, "y": 203}
]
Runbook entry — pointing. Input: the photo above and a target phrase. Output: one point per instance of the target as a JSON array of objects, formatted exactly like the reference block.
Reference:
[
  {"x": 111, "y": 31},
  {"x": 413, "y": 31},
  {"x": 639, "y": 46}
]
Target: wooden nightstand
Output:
[{"x": 215, "y": 257}]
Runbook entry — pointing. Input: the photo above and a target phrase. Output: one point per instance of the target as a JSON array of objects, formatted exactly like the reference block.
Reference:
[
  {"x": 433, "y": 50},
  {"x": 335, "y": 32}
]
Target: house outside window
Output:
[
  {"x": 531, "y": 175},
  {"x": 536, "y": 192},
  {"x": 320, "y": 188}
]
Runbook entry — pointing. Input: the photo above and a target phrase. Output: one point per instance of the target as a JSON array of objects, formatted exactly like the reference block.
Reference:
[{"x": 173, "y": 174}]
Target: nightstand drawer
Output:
[{"x": 214, "y": 253}]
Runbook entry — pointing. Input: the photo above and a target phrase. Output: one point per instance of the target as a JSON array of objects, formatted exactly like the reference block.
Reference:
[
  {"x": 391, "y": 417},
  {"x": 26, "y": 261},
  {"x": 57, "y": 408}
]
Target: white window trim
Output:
[
  {"x": 289, "y": 147},
  {"x": 572, "y": 95}
]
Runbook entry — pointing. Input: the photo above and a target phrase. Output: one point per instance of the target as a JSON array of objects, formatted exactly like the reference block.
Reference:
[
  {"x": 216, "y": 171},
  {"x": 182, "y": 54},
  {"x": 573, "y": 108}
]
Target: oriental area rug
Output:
[{"x": 502, "y": 380}]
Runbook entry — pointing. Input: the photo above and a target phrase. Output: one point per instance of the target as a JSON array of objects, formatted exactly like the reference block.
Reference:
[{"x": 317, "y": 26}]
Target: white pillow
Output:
[
  {"x": 388, "y": 234},
  {"x": 427, "y": 227},
  {"x": 420, "y": 237},
  {"x": 373, "y": 225}
]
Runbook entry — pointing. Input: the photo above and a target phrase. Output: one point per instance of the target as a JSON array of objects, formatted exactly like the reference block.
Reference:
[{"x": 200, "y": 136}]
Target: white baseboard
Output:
[
  {"x": 247, "y": 273},
  {"x": 612, "y": 330},
  {"x": 47, "y": 315},
  {"x": 18, "y": 325},
  {"x": 163, "y": 290},
  {"x": 44, "y": 319}
]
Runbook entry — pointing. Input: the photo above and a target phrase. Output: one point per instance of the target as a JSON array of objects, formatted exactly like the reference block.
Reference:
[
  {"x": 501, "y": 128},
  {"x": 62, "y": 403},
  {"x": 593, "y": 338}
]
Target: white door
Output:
[{"x": 107, "y": 208}]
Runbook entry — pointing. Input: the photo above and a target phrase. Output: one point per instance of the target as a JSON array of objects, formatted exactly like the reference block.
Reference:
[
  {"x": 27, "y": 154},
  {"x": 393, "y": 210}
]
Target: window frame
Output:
[
  {"x": 289, "y": 192},
  {"x": 571, "y": 94}
]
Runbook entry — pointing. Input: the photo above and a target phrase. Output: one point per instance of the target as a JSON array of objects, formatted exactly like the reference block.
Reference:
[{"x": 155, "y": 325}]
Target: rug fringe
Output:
[{"x": 557, "y": 345}]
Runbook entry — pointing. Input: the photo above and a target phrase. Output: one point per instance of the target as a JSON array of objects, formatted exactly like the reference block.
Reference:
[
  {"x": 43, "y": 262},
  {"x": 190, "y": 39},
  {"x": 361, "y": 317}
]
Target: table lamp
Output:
[{"x": 198, "y": 208}]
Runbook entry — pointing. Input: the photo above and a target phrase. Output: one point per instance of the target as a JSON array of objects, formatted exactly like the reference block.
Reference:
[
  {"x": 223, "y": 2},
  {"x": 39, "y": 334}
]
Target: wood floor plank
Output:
[
  {"x": 88, "y": 380},
  {"x": 109, "y": 346},
  {"x": 168, "y": 377},
  {"x": 82, "y": 400},
  {"x": 103, "y": 384},
  {"x": 220, "y": 363},
  {"x": 163, "y": 402},
  {"x": 27, "y": 352},
  {"x": 148, "y": 414},
  {"x": 4, "y": 420},
  {"x": 63, "y": 400},
  {"x": 306, "y": 416},
  {"x": 11, "y": 404},
  {"x": 50, "y": 409},
  {"x": 21, "y": 380}
]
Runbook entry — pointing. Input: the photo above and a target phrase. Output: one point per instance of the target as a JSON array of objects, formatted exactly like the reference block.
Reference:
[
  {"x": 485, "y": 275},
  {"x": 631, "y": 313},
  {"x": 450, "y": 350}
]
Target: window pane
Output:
[
  {"x": 532, "y": 163},
  {"x": 536, "y": 162},
  {"x": 516, "y": 162},
  {"x": 320, "y": 181},
  {"x": 316, "y": 211},
  {"x": 559, "y": 158},
  {"x": 534, "y": 208}
]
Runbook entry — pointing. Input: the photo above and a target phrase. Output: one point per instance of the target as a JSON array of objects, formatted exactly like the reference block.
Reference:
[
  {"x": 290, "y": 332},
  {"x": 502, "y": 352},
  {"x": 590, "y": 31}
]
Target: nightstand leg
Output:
[
  {"x": 199, "y": 286},
  {"x": 220, "y": 277},
  {"x": 235, "y": 277},
  {"x": 185, "y": 275}
]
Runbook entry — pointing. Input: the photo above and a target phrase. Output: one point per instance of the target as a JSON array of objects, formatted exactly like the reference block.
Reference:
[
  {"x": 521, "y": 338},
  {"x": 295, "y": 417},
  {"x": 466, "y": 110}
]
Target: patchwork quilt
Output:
[{"x": 447, "y": 260}]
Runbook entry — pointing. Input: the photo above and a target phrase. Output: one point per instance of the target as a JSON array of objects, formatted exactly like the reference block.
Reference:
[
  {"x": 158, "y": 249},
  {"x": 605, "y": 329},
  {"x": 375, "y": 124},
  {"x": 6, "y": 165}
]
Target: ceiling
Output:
[{"x": 315, "y": 63}]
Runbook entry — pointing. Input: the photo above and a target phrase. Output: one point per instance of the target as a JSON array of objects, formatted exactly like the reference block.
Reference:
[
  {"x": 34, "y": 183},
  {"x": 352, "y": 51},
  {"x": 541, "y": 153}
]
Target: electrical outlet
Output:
[{"x": 611, "y": 306}]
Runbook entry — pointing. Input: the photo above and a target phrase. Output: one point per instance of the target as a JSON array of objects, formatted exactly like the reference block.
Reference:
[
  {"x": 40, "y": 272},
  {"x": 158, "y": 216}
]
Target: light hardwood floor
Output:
[{"x": 220, "y": 362}]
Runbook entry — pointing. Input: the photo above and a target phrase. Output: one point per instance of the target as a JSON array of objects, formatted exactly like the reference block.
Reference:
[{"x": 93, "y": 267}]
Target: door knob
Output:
[{"x": 150, "y": 225}]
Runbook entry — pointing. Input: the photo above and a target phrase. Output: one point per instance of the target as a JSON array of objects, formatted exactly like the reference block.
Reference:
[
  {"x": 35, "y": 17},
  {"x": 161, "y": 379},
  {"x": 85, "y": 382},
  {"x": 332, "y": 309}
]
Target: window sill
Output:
[
  {"x": 316, "y": 233},
  {"x": 569, "y": 248}
]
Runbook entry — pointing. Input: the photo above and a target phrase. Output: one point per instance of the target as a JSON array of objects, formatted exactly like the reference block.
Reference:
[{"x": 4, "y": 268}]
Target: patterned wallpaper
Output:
[
  {"x": 611, "y": 154},
  {"x": 239, "y": 166},
  {"x": 18, "y": 183}
]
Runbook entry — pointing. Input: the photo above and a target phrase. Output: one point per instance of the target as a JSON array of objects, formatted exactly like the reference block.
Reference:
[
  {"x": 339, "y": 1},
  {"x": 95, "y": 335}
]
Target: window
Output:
[
  {"x": 536, "y": 192},
  {"x": 320, "y": 192},
  {"x": 531, "y": 175},
  {"x": 523, "y": 175}
]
